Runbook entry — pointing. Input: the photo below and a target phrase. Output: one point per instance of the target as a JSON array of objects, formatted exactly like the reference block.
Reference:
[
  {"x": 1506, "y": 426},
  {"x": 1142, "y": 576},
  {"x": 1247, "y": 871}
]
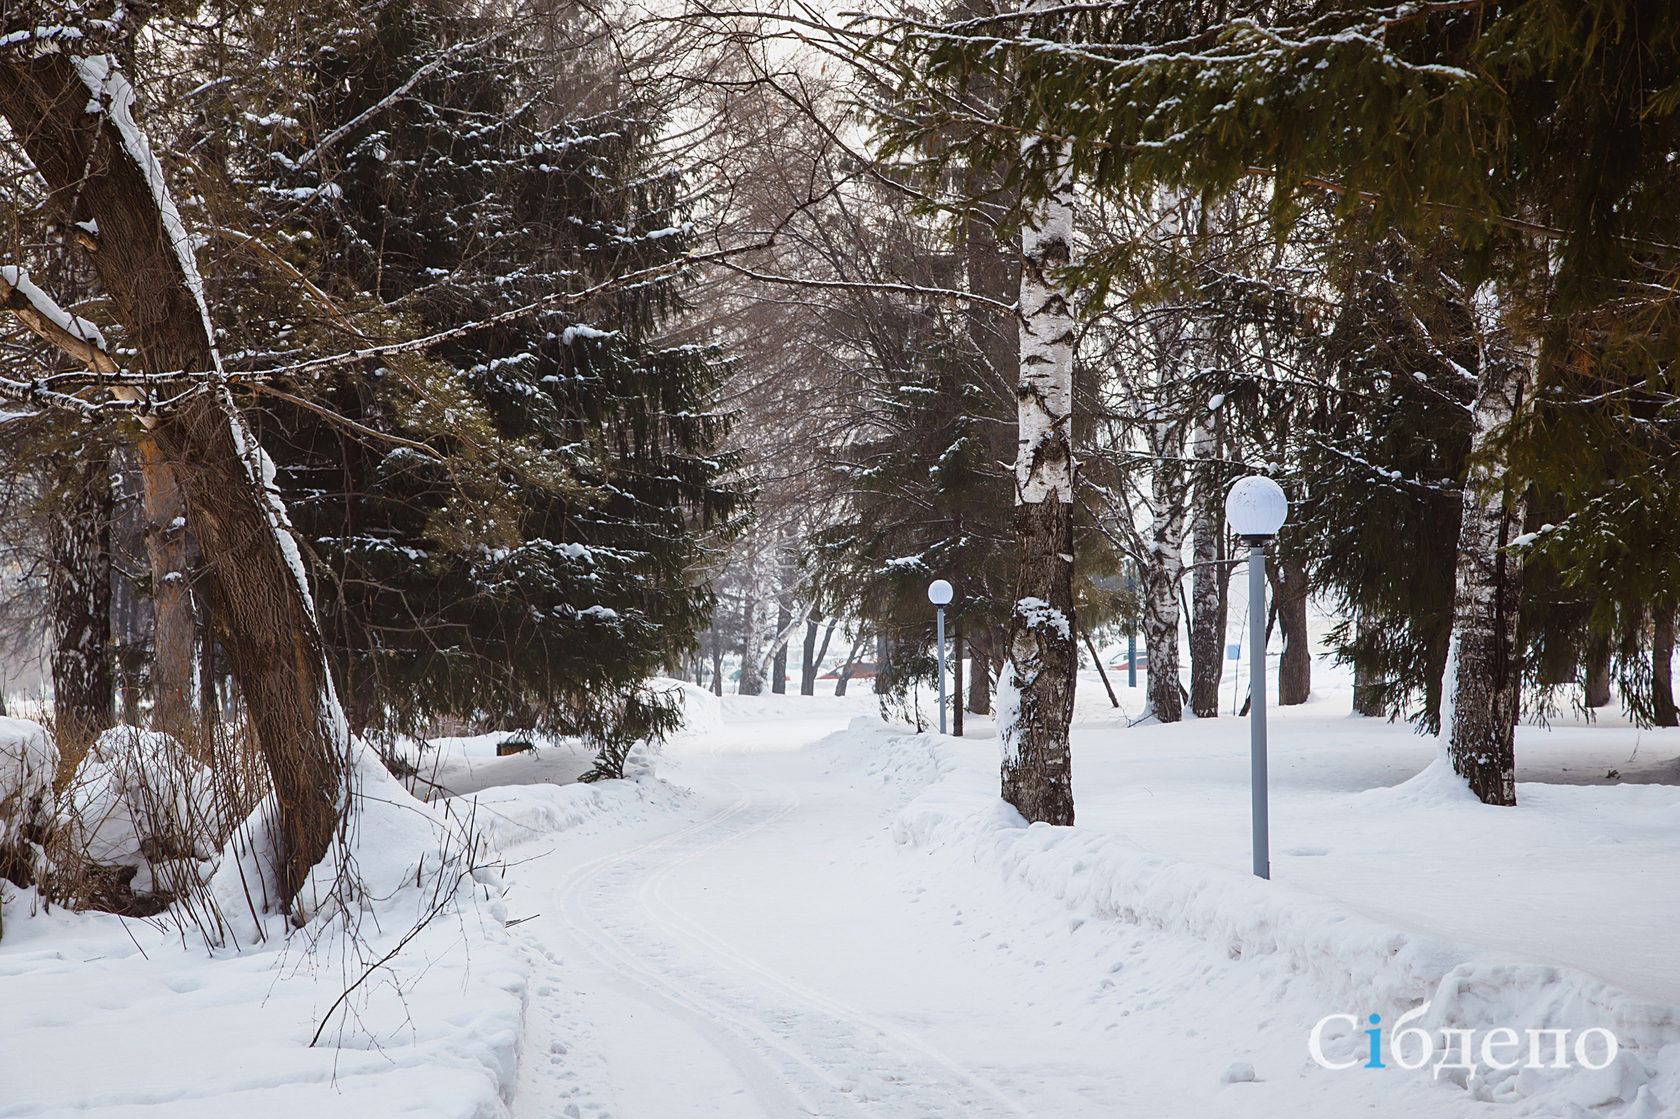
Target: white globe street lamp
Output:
[
  {"x": 939, "y": 593},
  {"x": 1255, "y": 509}
]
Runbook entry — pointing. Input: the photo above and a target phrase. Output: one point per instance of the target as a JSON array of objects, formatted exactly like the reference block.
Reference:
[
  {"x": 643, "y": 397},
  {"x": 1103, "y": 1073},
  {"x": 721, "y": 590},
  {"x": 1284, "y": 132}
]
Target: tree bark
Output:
[
  {"x": 79, "y": 591},
  {"x": 811, "y": 657},
  {"x": 845, "y": 673},
  {"x": 717, "y": 661},
  {"x": 1595, "y": 679},
  {"x": 1663, "y": 713},
  {"x": 1486, "y": 679},
  {"x": 1041, "y": 672},
  {"x": 1209, "y": 600},
  {"x": 1295, "y": 664},
  {"x": 751, "y": 681},
  {"x": 957, "y": 681},
  {"x": 778, "y": 666},
  {"x": 1161, "y": 575},
  {"x": 1366, "y": 692},
  {"x": 174, "y": 634},
  {"x": 980, "y": 680},
  {"x": 883, "y": 656},
  {"x": 100, "y": 170}
]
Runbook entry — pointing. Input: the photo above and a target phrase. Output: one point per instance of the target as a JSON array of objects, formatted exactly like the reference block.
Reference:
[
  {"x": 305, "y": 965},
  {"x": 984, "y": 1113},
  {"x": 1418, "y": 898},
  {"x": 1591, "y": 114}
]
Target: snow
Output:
[
  {"x": 796, "y": 908},
  {"x": 1039, "y": 614},
  {"x": 133, "y": 789},
  {"x": 28, "y": 761},
  {"x": 73, "y": 325}
]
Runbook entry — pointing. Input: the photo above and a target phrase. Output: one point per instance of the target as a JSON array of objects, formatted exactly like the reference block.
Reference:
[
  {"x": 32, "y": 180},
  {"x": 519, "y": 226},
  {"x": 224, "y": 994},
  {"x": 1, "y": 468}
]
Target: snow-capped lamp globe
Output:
[
  {"x": 1255, "y": 509},
  {"x": 939, "y": 593}
]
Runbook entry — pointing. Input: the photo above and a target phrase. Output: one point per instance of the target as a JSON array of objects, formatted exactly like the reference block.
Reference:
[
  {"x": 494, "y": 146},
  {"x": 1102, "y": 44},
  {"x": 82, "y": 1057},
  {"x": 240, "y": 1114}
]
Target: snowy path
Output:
[
  {"x": 771, "y": 951},
  {"x": 677, "y": 949}
]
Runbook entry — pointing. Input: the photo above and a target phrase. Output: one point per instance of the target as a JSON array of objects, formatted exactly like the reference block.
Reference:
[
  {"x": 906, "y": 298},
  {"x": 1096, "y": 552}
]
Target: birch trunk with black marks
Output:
[
  {"x": 1035, "y": 693},
  {"x": 72, "y": 115},
  {"x": 79, "y": 595},
  {"x": 1163, "y": 567},
  {"x": 1486, "y": 679},
  {"x": 751, "y": 681}
]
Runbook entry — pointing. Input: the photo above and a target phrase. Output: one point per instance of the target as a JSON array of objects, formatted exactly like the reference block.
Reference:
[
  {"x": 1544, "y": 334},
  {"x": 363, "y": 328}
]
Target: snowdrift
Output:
[{"x": 1355, "y": 962}]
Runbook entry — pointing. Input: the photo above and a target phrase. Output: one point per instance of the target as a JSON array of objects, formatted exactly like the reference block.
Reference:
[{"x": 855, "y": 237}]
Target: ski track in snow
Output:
[{"x": 796, "y": 1050}]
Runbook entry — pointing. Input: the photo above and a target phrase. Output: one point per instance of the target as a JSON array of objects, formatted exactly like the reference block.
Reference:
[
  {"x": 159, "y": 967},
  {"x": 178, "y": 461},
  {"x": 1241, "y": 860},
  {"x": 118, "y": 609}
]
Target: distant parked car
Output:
[{"x": 1119, "y": 663}]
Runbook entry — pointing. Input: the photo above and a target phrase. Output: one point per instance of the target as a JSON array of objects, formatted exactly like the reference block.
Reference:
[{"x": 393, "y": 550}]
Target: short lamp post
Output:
[
  {"x": 1255, "y": 509},
  {"x": 939, "y": 593}
]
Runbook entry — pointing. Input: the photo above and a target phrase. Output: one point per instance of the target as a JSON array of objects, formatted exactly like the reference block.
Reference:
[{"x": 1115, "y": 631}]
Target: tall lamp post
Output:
[
  {"x": 1255, "y": 509},
  {"x": 939, "y": 593}
]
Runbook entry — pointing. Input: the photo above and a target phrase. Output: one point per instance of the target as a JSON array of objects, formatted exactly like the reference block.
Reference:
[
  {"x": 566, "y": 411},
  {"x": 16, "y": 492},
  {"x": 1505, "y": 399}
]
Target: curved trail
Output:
[{"x": 795, "y": 1050}]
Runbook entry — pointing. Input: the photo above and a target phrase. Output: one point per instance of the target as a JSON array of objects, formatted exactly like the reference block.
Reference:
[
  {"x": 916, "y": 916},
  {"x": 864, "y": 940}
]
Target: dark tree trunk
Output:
[
  {"x": 79, "y": 590},
  {"x": 980, "y": 680},
  {"x": 1295, "y": 665},
  {"x": 1102, "y": 673},
  {"x": 845, "y": 673},
  {"x": 957, "y": 682},
  {"x": 1663, "y": 713},
  {"x": 1367, "y": 692},
  {"x": 1595, "y": 678},
  {"x": 1209, "y": 594},
  {"x": 882, "y": 684},
  {"x": 717, "y": 662},
  {"x": 778, "y": 665},
  {"x": 813, "y": 661},
  {"x": 808, "y": 657},
  {"x": 265, "y": 620},
  {"x": 778, "y": 671},
  {"x": 209, "y": 709}
]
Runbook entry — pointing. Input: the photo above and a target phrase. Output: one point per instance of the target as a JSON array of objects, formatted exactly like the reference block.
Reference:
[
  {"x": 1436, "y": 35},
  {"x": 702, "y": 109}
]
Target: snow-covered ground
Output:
[{"x": 804, "y": 911}]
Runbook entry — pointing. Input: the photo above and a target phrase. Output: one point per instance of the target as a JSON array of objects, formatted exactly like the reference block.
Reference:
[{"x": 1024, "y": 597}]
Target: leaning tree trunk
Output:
[
  {"x": 1035, "y": 693},
  {"x": 79, "y": 595},
  {"x": 73, "y": 118},
  {"x": 1486, "y": 682}
]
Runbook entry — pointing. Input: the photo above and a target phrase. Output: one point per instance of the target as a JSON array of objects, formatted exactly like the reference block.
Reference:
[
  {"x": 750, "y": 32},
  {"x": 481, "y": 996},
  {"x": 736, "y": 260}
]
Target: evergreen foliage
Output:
[{"x": 513, "y": 529}]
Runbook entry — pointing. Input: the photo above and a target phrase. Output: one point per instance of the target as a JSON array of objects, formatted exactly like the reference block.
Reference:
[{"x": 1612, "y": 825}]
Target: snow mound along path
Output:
[{"x": 1353, "y": 962}]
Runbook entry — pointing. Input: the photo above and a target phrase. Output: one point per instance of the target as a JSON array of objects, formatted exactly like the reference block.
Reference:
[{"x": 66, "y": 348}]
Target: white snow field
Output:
[{"x": 803, "y": 911}]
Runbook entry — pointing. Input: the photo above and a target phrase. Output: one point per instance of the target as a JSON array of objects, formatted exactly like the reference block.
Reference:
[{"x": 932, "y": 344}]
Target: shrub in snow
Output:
[
  {"x": 28, "y": 762},
  {"x": 140, "y": 800}
]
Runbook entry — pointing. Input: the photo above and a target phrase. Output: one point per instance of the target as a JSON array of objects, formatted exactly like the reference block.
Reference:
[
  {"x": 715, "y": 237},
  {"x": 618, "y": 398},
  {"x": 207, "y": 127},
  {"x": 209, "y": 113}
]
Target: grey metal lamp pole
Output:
[
  {"x": 1255, "y": 509},
  {"x": 939, "y": 593}
]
